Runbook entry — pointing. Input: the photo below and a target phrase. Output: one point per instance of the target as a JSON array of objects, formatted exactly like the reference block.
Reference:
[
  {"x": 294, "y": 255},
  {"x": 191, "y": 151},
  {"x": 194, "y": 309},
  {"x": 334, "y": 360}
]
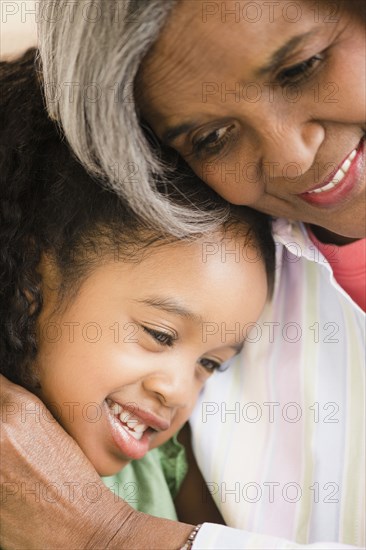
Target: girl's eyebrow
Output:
[
  {"x": 170, "y": 305},
  {"x": 237, "y": 348},
  {"x": 282, "y": 52}
]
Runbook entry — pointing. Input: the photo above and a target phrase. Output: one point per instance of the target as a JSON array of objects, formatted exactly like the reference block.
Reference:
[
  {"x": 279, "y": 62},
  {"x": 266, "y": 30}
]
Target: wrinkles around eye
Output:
[{"x": 213, "y": 142}]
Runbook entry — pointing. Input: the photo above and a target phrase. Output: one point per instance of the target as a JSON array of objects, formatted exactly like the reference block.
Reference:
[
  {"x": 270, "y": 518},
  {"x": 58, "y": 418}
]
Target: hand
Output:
[{"x": 52, "y": 497}]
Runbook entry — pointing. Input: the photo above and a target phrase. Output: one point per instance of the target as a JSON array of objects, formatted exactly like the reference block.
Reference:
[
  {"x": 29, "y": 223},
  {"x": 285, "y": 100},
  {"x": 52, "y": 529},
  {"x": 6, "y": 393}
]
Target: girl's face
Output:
[
  {"x": 266, "y": 102},
  {"x": 121, "y": 364}
]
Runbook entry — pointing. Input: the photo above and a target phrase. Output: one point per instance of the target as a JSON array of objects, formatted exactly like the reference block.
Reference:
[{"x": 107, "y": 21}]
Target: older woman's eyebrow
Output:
[
  {"x": 280, "y": 55},
  {"x": 175, "y": 131},
  {"x": 169, "y": 305},
  {"x": 274, "y": 62}
]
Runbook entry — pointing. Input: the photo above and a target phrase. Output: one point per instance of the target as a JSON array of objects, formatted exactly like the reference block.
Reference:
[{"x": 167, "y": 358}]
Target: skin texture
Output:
[
  {"x": 159, "y": 372},
  {"x": 38, "y": 451},
  {"x": 263, "y": 153}
]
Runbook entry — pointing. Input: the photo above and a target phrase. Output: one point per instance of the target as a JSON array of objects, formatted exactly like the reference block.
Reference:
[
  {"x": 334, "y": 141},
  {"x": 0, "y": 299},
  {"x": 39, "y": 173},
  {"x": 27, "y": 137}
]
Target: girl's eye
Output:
[
  {"x": 212, "y": 143},
  {"x": 162, "y": 338},
  {"x": 212, "y": 365},
  {"x": 299, "y": 72}
]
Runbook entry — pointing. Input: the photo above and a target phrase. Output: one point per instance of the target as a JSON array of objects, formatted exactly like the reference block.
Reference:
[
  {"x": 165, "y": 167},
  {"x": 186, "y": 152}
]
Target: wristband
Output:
[{"x": 188, "y": 545}]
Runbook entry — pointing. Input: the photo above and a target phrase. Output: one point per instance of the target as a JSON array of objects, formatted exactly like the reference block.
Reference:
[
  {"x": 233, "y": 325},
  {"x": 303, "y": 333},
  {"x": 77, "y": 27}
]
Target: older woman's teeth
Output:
[
  {"x": 339, "y": 175},
  {"x": 130, "y": 422}
]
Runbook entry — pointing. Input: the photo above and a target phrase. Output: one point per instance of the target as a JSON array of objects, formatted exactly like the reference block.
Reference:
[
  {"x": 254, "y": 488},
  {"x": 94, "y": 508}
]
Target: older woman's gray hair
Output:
[{"x": 91, "y": 51}]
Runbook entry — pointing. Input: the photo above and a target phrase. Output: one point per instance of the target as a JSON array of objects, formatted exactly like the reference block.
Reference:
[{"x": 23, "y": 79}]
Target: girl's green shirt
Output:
[{"x": 151, "y": 484}]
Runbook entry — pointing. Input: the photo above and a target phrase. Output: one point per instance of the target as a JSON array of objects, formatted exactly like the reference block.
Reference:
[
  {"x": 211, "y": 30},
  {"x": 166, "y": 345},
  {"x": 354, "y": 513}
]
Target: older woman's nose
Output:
[{"x": 289, "y": 149}]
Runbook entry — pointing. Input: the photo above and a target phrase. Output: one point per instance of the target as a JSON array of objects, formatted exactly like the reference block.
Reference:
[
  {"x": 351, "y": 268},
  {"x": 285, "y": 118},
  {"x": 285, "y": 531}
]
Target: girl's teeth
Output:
[
  {"x": 140, "y": 428},
  {"x": 136, "y": 435},
  {"x": 116, "y": 409},
  {"x": 124, "y": 416},
  {"x": 131, "y": 422}
]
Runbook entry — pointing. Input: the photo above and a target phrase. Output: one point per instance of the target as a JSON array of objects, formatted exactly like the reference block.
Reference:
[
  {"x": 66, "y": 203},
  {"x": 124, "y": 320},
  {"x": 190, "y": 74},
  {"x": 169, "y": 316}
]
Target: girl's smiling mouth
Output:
[{"x": 132, "y": 432}]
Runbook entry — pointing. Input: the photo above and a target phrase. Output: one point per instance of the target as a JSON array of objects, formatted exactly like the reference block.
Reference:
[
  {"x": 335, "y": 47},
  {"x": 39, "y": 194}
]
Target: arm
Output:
[{"x": 51, "y": 496}]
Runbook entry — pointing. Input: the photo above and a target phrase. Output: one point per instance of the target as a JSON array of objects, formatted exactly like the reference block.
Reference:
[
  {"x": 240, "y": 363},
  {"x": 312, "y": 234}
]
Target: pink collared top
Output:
[{"x": 349, "y": 266}]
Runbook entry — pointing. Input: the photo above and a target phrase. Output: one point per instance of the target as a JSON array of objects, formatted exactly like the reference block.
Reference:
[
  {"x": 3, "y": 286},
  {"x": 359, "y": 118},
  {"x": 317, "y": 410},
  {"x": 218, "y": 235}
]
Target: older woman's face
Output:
[{"x": 266, "y": 102}]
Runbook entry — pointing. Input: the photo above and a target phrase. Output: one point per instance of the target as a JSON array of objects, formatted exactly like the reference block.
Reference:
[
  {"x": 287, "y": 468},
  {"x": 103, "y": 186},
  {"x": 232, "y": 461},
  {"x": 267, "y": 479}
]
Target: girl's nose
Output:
[{"x": 173, "y": 384}]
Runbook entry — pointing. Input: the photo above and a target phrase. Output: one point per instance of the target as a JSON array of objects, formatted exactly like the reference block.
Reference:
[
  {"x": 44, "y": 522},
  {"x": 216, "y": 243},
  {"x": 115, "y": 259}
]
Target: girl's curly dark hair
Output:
[{"x": 50, "y": 205}]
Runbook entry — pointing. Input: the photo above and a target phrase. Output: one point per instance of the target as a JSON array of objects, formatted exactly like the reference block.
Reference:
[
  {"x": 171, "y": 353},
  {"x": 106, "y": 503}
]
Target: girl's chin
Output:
[
  {"x": 109, "y": 472},
  {"x": 108, "y": 469},
  {"x": 106, "y": 464}
]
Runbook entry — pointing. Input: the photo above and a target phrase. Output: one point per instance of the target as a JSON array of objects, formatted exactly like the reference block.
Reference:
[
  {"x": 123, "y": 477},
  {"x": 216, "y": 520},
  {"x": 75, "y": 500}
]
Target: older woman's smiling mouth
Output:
[{"x": 341, "y": 182}]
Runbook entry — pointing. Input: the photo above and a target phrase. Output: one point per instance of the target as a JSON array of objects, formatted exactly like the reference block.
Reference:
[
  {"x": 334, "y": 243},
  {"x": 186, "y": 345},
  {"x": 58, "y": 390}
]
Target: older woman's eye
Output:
[
  {"x": 213, "y": 142},
  {"x": 299, "y": 72}
]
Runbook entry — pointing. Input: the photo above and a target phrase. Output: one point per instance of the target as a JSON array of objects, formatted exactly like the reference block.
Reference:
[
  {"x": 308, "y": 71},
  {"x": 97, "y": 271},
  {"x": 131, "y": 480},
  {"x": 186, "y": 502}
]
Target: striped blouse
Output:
[{"x": 280, "y": 436}]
